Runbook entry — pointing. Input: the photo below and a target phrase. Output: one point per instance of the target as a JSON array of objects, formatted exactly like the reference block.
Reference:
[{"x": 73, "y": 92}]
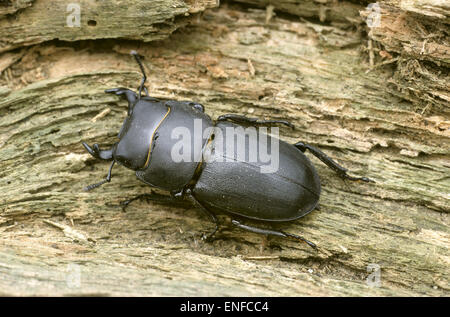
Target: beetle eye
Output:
[{"x": 197, "y": 106}]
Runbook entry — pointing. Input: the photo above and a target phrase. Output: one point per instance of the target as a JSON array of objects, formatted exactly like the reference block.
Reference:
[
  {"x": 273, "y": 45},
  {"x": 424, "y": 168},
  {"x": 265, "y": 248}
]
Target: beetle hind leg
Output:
[
  {"x": 277, "y": 233},
  {"x": 341, "y": 171}
]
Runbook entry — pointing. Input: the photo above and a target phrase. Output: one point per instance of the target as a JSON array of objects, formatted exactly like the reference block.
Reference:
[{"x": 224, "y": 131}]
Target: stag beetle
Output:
[{"x": 235, "y": 187}]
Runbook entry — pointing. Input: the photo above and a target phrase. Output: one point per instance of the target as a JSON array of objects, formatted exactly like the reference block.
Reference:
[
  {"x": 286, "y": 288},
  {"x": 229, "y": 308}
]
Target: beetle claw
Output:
[{"x": 90, "y": 150}]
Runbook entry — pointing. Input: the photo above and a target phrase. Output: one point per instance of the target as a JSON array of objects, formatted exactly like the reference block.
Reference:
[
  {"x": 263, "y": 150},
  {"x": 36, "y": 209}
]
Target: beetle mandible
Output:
[{"x": 234, "y": 187}]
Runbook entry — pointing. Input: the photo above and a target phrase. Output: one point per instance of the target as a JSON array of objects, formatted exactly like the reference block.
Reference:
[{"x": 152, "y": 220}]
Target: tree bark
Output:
[{"x": 58, "y": 240}]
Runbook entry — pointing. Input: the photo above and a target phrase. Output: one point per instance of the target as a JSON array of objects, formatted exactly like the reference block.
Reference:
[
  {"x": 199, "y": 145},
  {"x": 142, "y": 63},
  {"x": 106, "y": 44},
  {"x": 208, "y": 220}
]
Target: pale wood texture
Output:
[
  {"x": 12, "y": 6},
  {"x": 232, "y": 60},
  {"x": 46, "y": 20}
]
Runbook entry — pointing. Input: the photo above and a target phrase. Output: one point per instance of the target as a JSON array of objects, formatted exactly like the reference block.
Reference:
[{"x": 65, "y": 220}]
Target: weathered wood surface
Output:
[
  {"x": 12, "y": 6},
  {"x": 43, "y": 20},
  {"x": 417, "y": 35},
  {"x": 412, "y": 34},
  {"x": 231, "y": 60},
  {"x": 336, "y": 12}
]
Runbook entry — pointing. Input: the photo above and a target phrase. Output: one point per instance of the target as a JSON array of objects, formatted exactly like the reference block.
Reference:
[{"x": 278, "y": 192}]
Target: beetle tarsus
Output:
[
  {"x": 272, "y": 232},
  {"x": 341, "y": 171},
  {"x": 92, "y": 186},
  {"x": 296, "y": 237}
]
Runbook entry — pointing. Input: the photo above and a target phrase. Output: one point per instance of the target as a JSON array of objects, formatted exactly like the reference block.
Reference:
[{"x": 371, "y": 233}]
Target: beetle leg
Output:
[
  {"x": 211, "y": 215},
  {"x": 278, "y": 233},
  {"x": 243, "y": 119},
  {"x": 341, "y": 171},
  {"x": 164, "y": 199}
]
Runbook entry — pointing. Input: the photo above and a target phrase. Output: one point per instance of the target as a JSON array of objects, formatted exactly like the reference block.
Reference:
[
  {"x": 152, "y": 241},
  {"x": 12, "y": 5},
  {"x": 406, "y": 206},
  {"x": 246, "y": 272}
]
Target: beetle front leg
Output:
[
  {"x": 277, "y": 233},
  {"x": 255, "y": 121},
  {"x": 341, "y": 171}
]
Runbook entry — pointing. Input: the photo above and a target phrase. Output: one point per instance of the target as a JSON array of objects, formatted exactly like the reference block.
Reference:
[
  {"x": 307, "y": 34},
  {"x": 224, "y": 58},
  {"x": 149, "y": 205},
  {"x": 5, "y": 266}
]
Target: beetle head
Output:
[
  {"x": 108, "y": 155},
  {"x": 136, "y": 136},
  {"x": 128, "y": 152},
  {"x": 133, "y": 148}
]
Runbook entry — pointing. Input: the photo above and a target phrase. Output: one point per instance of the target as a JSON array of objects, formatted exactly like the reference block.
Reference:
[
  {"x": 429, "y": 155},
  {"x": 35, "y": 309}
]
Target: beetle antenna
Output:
[
  {"x": 144, "y": 78},
  {"x": 107, "y": 180}
]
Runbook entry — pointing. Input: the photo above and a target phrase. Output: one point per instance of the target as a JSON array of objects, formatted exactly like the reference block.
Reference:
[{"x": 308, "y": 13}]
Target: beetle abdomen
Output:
[{"x": 236, "y": 185}]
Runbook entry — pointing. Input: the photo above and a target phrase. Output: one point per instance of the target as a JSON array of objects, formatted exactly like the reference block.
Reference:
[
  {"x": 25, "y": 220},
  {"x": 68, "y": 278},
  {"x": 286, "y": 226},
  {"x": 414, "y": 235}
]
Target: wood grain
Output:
[{"x": 301, "y": 71}]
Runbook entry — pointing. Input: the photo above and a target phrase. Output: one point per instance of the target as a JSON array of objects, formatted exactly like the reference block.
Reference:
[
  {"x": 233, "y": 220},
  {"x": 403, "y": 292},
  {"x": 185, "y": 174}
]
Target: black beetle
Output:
[{"x": 235, "y": 187}]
